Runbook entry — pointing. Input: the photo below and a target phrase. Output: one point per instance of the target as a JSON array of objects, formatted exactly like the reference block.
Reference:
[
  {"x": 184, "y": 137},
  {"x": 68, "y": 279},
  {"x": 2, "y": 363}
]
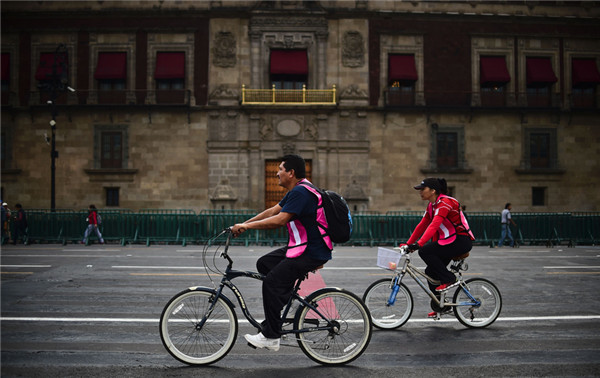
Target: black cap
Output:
[{"x": 430, "y": 182}]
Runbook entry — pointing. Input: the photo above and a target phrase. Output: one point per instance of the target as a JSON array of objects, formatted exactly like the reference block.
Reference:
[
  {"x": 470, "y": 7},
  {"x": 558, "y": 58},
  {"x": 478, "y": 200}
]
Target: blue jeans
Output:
[
  {"x": 506, "y": 233},
  {"x": 88, "y": 231}
]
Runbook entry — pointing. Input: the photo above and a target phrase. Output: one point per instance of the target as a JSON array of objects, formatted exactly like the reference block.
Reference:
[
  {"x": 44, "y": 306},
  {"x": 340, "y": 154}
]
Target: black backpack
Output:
[{"x": 337, "y": 212}]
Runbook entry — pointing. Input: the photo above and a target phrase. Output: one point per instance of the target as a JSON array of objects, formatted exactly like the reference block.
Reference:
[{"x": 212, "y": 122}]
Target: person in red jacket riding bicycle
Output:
[{"x": 446, "y": 226}]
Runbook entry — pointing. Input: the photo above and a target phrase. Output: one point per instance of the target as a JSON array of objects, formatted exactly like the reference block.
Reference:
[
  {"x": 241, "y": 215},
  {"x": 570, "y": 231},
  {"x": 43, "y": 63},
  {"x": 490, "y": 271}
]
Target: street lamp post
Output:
[{"x": 56, "y": 82}]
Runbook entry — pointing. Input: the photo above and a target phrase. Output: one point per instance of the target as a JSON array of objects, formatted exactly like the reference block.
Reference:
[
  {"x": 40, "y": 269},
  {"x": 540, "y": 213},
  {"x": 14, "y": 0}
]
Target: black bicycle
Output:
[{"x": 199, "y": 326}]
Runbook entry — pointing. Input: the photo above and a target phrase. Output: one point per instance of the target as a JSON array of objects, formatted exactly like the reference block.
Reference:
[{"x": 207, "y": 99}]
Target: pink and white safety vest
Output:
[
  {"x": 455, "y": 223},
  {"x": 298, "y": 237}
]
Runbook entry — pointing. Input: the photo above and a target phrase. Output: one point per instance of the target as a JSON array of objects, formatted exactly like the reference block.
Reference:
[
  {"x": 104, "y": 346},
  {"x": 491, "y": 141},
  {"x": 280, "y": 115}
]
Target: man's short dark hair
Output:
[{"x": 295, "y": 162}]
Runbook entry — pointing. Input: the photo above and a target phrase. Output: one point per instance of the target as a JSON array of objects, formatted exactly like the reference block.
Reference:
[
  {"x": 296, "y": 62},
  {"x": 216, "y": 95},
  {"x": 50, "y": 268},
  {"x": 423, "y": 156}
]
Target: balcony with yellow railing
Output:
[{"x": 275, "y": 96}]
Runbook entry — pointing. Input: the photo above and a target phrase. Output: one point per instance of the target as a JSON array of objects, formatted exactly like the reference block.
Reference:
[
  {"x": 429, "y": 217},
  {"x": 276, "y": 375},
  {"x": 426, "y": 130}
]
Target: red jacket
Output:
[
  {"x": 442, "y": 221},
  {"x": 93, "y": 217}
]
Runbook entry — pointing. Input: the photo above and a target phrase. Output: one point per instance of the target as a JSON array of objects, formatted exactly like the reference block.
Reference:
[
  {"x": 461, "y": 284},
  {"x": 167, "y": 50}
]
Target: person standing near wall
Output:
[{"x": 506, "y": 220}]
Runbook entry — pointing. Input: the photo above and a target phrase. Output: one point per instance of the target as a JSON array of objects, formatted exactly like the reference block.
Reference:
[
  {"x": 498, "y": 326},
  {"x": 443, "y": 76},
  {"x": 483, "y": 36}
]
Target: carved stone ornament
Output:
[
  {"x": 353, "y": 51},
  {"x": 223, "y": 191},
  {"x": 288, "y": 148},
  {"x": 288, "y": 23},
  {"x": 223, "y": 92},
  {"x": 354, "y": 92},
  {"x": 224, "y": 50},
  {"x": 311, "y": 131},
  {"x": 266, "y": 130},
  {"x": 288, "y": 128},
  {"x": 354, "y": 191}
]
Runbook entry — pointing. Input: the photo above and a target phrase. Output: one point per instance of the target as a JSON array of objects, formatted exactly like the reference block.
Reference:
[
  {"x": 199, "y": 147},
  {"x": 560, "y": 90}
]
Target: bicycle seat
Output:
[{"x": 461, "y": 257}]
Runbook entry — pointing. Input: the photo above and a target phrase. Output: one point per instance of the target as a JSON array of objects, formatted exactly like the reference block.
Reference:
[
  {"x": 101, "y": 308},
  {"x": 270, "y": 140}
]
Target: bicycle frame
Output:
[
  {"x": 415, "y": 272},
  {"x": 231, "y": 274}
]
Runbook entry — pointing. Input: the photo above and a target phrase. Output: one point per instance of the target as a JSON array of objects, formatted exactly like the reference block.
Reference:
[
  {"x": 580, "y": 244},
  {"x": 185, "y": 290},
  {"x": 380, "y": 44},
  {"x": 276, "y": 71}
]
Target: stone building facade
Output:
[{"x": 492, "y": 139}]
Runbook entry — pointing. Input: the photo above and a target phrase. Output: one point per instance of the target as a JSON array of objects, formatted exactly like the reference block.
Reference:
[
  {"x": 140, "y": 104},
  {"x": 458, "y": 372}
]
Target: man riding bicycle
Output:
[{"x": 307, "y": 249}]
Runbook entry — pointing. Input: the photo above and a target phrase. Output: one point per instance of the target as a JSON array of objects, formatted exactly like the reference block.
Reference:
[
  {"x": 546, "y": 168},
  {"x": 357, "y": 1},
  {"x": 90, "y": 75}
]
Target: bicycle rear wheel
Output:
[
  {"x": 350, "y": 335},
  {"x": 193, "y": 335},
  {"x": 490, "y": 303},
  {"x": 384, "y": 315}
]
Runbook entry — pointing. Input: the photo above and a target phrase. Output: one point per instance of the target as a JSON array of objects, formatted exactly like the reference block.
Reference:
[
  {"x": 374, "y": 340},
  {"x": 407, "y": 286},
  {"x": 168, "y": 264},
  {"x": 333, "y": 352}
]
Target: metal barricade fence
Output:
[
  {"x": 543, "y": 228},
  {"x": 185, "y": 226},
  {"x": 485, "y": 227},
  {"x": 163, "y": 225},
  {"x": 117, "y": 224},
  {"x": 51, "y": 226},
  {"x": 585, "y": 228}
]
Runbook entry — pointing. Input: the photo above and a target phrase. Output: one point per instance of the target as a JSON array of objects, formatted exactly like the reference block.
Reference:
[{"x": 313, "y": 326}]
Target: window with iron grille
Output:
[
  {"x": 447, "y": 150},
  {"x": 111, "y": 147},
  {"x": 540, "y": 149},
  {"x": 112, "y": 150}
]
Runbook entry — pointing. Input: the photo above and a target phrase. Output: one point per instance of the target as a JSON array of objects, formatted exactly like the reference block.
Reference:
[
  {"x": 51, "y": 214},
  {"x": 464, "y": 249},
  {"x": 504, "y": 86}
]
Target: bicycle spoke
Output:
[
  {"x": 347, "y": 332},
  {"x": 488, "y": 303}
]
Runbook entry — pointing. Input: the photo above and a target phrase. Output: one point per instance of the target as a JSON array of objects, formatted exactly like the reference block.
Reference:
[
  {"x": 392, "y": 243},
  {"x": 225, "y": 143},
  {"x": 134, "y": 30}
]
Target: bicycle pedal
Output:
[{"x": 252, "y": 346}]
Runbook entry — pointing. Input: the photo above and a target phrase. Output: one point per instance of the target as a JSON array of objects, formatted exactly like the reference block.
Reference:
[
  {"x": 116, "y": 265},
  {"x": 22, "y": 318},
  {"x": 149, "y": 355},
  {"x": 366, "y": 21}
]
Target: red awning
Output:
[
  {"x": 539, "y": 71},
  {"x": 170, "y": 65},
  {"x": 402, "y": 67},
  {"x": 289, "y": 62},
  {"x": 585, "y": 71},
  {"x": 493, "y": 70},
  {"x": 5, "y": 66},
  {"x": 111, "y": 65},
  {"x": 44, "y": 71}
]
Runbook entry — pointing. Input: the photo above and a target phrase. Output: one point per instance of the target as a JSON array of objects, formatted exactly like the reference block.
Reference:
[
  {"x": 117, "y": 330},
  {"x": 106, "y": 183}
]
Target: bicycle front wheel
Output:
[
  {"x": 351, "y": 331},
  {"x": 478, "y": 303},
  {"x": 192, "y": 332},
  {"x": 384, "y": 314}
]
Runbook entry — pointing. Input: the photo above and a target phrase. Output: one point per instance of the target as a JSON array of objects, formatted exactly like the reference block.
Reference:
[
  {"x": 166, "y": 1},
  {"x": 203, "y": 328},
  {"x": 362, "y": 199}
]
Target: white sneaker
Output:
[{"x": 260, "y": 341}]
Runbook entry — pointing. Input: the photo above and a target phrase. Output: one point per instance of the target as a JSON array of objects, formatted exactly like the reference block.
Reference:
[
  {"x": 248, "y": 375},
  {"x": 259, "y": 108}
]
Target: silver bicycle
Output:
[{"x": 476, "y": 303}]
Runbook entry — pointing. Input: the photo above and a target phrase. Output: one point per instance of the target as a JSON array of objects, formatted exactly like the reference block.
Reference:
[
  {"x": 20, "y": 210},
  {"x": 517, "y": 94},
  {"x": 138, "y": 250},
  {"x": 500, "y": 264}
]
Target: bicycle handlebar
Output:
[{"x": 403, "y": 249}]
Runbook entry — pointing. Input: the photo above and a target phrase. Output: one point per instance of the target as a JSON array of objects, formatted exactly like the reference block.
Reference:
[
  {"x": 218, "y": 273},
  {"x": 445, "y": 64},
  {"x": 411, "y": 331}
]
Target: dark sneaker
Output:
[{"x": 434, "y": 314}]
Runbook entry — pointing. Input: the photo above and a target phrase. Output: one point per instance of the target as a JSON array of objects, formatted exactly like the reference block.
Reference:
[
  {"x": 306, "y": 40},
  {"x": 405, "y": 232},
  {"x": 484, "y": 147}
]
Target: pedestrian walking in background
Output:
[
  {"x": 506, "y": 220},
  {"x": 20, "y": 228},
  {"x": 4, "y": 225},
  {"x": 93, "y": 223}
]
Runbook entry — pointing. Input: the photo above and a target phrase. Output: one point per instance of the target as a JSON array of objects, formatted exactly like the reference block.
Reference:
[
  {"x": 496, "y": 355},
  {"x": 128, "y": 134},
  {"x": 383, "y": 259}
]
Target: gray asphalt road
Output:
[{"x": 75, "y": 311}]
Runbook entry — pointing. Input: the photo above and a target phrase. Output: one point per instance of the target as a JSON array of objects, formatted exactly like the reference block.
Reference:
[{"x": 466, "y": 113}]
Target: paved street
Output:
[{"x": 75, "y": 311}]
